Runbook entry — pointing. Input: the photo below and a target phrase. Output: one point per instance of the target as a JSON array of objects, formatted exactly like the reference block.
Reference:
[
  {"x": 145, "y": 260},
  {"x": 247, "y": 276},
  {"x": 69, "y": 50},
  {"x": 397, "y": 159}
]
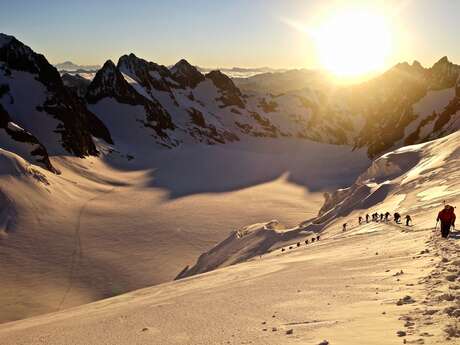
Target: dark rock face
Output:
[
  {"x": 21, "y": 136},
  {"x": 186, "y": 75},
  {"x": 77, "y": 123},
  {"x": 109, "y": 82},
  {"x": 231, "y": 95}
]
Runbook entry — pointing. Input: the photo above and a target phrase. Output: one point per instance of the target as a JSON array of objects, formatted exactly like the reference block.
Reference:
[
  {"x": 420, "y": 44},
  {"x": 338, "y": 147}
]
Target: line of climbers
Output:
[
  {"x": 306, "y": 242},
  {"x": 385, "y": 217},
  {"x": 446, "y": 216}
]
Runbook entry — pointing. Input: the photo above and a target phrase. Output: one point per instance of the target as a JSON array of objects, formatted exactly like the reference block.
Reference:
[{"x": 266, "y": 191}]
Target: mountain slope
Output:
[
  {"x": 392, "y": 180},
  {"x": 381, "y": 283}
]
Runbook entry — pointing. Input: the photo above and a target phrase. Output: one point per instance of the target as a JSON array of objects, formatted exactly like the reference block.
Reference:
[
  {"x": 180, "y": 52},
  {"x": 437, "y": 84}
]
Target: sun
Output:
[{"x": 354, "y": 42}]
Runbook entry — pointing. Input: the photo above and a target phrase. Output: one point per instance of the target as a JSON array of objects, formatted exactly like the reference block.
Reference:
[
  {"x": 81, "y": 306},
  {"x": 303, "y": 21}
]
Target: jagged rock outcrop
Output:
[{"x": 186, "y": 75}]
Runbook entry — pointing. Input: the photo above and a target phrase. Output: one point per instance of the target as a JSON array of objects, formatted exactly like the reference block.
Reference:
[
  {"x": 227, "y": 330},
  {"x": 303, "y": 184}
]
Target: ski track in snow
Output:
[{"x": 78, "y": 250}]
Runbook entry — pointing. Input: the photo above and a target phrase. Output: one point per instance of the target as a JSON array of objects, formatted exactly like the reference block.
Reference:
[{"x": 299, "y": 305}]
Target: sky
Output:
[{"x": 217, "y": 33}]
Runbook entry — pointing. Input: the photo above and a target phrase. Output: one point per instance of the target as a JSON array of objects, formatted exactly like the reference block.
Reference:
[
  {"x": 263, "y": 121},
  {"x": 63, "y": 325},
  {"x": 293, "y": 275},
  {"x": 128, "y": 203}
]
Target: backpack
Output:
[{"x": 447, "y": 215}]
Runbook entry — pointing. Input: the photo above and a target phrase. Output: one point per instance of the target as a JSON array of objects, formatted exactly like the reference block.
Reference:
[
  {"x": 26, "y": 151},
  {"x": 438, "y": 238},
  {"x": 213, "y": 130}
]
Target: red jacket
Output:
[{"x": 447, "y": 216}]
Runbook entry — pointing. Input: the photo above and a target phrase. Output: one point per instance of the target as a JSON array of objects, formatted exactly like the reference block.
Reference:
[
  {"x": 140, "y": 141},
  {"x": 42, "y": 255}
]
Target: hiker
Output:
[
  {"x": 408, "y": 220},
  {"x": 367, "y": 218},
  {"x": 360, "y": 220},
  {"x": 387, "y": 216},
  {"x": 381, "y": 217},
  {"x": 344, "y": 227},
  {"x": 374, "y": 216},
  {"x": 447, "y": 219},
  {"x": 397, "y": 217}
]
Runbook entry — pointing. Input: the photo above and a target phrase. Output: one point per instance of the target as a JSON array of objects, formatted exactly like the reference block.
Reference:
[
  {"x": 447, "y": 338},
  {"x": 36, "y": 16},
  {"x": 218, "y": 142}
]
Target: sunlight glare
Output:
[{"x": 353, "y": 42}]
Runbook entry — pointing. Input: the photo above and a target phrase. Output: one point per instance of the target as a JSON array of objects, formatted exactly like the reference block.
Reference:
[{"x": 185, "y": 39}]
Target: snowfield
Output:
[
  {"x": 382, "y": 283},
  {"x": 110, "y": 225}
]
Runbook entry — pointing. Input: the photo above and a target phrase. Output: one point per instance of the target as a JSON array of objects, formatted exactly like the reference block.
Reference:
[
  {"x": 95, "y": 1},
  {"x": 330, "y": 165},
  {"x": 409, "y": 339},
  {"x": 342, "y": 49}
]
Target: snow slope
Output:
[
  {"x": 378, "y": 283},
  {"x": 109, "y": 225},
  {"x": 390, "y": 177}
]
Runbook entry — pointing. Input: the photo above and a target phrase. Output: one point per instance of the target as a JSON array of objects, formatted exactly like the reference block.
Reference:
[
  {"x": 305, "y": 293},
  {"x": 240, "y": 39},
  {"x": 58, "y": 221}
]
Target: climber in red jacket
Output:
[{"x": 447, "y": 219}]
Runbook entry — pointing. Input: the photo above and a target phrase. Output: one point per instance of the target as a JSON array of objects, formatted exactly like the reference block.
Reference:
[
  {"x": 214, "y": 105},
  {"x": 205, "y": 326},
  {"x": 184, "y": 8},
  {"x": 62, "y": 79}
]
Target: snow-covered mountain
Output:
[
  {"x": 180, "y": 105},
  {"x": 34, "y": 98},
  {"x": 211, "y": 109}
]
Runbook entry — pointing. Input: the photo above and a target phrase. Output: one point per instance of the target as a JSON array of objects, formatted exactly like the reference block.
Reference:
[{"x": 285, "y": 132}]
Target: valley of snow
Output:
[
  {"x": 110, "y": 225},
  {"x": 376, "y": 283},
  {"x": 147, "y": 174}
]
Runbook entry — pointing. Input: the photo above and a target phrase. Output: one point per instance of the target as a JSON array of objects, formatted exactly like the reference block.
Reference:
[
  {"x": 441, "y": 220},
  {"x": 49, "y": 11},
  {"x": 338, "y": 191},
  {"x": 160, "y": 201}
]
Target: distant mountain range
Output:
[
  {"x": 134, "y": 104},
  {"x": 69, "y": 66}
]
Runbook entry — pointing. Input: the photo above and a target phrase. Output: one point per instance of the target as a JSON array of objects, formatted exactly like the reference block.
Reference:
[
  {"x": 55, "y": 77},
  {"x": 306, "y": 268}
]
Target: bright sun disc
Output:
[{"x": 352, "y": 43}]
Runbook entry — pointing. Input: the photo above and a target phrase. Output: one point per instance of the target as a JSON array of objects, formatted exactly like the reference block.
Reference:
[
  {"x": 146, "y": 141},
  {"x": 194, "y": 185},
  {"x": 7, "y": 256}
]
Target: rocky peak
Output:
[
  {"x": 442, "y": 61},
  {"x": 417, "y": 66},
  {"x": 148, "y": 74},
  {"x": 222, "y": 81},
  {"x": 231, "y": 95},
  {"x": 444, "y": 74},
  {"x": 109, "y": 82},
  {"x": 18, "y": 56},
  {"x": 186, "y": 74}
]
